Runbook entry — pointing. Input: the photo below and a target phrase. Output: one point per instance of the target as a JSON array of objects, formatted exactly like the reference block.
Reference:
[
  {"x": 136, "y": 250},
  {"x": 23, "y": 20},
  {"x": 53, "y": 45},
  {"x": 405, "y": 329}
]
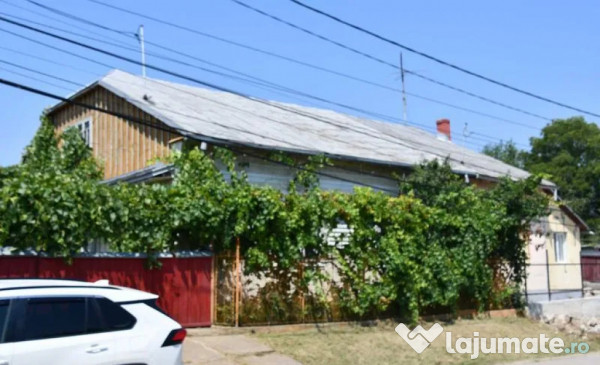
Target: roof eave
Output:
[
  {"x": 575, "y": 217},
  {"x": 74, "y": 95}
]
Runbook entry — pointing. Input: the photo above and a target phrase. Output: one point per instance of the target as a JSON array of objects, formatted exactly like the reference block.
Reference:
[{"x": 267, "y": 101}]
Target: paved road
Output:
[{"x": 205, "y": 348}]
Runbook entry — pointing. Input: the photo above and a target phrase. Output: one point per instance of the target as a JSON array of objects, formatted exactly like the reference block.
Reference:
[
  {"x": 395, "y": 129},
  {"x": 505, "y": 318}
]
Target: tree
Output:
[
  {"x": 568, "y": 152},
  {"x": 49, "y": 202},
  {"x": 507, "y": 152}
]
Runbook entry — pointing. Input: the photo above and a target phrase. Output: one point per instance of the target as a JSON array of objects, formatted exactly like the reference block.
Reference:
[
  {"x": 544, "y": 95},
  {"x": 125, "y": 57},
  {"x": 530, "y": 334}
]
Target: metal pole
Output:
[
  {"x": 548, "y": 277},
  {"x": 141, "y": 38},
  {"x": 237, "y": 282},
  {"x": 581, "y": 273}
]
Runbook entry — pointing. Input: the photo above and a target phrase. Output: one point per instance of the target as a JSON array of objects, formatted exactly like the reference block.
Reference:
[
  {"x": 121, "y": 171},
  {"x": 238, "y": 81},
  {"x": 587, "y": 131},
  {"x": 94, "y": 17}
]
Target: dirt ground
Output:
[{"x": 381, "y": 345}]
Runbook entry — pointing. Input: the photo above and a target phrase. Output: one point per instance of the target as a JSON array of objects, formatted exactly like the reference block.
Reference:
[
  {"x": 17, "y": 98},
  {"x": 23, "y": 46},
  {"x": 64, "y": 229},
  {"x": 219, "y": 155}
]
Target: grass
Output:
[{"x": 381, "y": 345}]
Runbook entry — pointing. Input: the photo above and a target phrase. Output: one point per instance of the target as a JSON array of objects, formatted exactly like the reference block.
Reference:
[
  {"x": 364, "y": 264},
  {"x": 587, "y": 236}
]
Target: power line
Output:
[
  {"x": 440, "y": 61},
  {"x": 243, "y": 95},
  {"x": 34, "y": 78},
  {"x": 117, "y": 44},
  {"x": 56, "y": 48},
  {"x": 46, "y": 17},
  {"x": 264, "y": 82},
  {"x": 381, "y": 61},
  {"x": 222, "y": 143},
  {"x": 39, "y": 58},
  {"x": 41, "y": 73},
  {"x": 335, "y": 72},
  {"x": 78, "y": 18},
  {"x": 486, "y": 99},
  {"x": 193, "y": 135}
]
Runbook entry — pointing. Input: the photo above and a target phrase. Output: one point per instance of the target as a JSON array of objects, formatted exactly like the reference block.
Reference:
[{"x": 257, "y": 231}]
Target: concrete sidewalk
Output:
[{"x": 207, "y": 347}]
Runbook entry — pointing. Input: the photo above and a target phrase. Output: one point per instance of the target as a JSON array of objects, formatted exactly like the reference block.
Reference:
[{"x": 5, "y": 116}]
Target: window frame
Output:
[
  {"x": 563, "y": 244},
  {"x": 4, "y": 328},
  {"x": 81, "y": 124},
  {"x": 15, "y": 326}
]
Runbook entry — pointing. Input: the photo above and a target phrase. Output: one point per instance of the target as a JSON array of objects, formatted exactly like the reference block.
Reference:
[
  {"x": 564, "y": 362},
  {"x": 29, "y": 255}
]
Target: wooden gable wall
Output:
[{"x": 121, "y": 146}]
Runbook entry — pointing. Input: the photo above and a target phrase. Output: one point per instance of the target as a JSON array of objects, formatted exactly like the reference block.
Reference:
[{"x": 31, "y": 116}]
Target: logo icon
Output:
[{"x": 419, "y": 338}]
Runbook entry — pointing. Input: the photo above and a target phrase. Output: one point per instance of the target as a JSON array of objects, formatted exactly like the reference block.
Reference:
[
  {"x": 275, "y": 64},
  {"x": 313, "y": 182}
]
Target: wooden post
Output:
[
  {"x": 302, "y": 302},
  {"x": 238, "y": 285}
]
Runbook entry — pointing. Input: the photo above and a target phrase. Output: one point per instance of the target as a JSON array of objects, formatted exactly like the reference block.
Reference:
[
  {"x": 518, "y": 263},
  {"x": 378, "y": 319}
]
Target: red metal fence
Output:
[
  {"x": 590, "y": 269},
  {"x": 183, "y": 284}
]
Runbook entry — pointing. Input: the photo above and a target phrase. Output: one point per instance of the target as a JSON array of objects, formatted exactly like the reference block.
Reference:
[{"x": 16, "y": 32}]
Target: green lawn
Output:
[{"x": 381, "y": 344}]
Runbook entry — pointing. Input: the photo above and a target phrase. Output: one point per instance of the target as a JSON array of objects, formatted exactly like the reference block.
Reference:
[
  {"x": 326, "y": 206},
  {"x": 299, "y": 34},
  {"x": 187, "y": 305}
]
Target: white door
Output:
[
  {"x": 5, "y": 348},
  {"x": 5, "y": 353},
  {"x": 92, "y": 349},
  {"x": 57, "y": 330}
]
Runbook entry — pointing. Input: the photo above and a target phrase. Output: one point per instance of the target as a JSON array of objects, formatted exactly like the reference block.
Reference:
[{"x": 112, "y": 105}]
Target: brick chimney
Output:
[{"x": 443, "y": 129}]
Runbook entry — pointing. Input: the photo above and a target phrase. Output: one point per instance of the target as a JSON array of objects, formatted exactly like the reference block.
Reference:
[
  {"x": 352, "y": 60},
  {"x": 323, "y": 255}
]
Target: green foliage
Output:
[
  {"x": 49, "y": 203},
  {"x": 441, "y": 244},
  {"x": 507, "y": 152},
  {"x": 568, "y": 152}
]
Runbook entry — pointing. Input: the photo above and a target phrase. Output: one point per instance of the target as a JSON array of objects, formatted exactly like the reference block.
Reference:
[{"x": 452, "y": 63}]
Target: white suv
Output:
[{"x": 74, "y": 322}]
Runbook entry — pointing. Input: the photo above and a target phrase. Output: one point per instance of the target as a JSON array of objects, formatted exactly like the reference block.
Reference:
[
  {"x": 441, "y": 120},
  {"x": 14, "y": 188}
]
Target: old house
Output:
[{"x": 364, "y": 151}]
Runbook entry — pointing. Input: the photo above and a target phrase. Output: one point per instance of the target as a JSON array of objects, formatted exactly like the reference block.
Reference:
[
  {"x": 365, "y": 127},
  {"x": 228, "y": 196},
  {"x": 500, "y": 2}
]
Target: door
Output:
[
  {"x": 54, "y": 330},
  {"x": 5, "y": 349}
]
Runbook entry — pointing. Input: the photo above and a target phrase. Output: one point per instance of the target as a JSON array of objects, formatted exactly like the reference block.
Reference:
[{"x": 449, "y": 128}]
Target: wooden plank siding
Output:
[{"x": 121, "y": 146}]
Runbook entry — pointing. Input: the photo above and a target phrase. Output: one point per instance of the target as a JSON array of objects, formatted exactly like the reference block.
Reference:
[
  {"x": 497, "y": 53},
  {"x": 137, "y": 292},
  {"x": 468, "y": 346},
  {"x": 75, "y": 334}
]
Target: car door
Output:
[{"x": 54, "y": 330}]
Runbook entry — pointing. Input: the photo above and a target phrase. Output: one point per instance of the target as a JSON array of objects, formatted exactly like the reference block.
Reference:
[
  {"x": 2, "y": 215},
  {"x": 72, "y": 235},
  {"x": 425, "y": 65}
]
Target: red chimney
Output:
[{"x": 443, "y": 129}]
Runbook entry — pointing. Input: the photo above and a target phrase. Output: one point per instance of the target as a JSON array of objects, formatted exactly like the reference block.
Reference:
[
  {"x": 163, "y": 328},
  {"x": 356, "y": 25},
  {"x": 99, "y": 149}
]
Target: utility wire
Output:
[
  {"x": 222, "y": 143},
  {"x": 260, "y": 81},
  {"x": 381, "y": 61},
  {"x": 335, "y": 72},
  {"x": 440, "y": 61},
  {"x": 56, "y": 48},
  {"x": 41, "y": 73},
  {"x": 62, "y": 22},
  {"x": 410, "y": 145},
  {"x": 68, "y": 15},
  {"x": 34, "y": 78},
  {"x": 43, "y": 59},
  {"x": 115, "y": 44}
]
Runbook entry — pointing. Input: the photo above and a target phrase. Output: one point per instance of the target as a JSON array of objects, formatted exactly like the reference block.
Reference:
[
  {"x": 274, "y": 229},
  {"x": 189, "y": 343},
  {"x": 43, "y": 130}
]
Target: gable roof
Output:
[{"x": 227, "y": 117}]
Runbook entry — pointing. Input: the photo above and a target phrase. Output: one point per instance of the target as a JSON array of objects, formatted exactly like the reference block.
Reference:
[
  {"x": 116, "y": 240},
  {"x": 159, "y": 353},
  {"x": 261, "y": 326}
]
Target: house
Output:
[{"x": 363, "y": 150}]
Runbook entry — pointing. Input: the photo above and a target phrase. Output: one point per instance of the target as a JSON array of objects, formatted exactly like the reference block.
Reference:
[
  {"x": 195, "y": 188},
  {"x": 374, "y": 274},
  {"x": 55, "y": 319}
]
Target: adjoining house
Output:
[{"x": 363, "y": 150}]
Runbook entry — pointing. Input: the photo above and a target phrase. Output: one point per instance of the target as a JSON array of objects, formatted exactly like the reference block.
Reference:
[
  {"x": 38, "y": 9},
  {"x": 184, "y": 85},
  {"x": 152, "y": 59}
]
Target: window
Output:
[
  {"x": 52, "y": 317},
  {"x": 106, "y": 316},
  {"x": 85, "y": 128},
  {"x": 3, "y": 317},
  {"x": 560, "y": 249},
  {"x": 97, "y": 246}
]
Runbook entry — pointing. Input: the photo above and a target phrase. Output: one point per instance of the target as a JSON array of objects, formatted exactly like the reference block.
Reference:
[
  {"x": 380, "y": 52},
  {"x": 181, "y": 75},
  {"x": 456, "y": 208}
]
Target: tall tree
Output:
[
  {"x": 507, "y": 152},
  {"x": 568, "y": 151}
]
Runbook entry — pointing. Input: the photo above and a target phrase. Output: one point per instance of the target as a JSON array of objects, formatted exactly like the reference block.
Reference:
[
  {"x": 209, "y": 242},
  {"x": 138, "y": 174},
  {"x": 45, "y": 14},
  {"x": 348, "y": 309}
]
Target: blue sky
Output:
[{"x": 546, "y": 47}]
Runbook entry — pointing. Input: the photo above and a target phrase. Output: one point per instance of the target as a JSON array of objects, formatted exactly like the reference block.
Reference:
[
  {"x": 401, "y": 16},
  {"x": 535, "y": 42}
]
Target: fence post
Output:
[
  {"x": 581, "y": 272},
  {"x": 213, "y": 288},
  {"x": 548, "y": 277},
  {"x": 237, "y": 282},
  {"x": 527, "y": 266},
  {"x": 302, "y": 301}
]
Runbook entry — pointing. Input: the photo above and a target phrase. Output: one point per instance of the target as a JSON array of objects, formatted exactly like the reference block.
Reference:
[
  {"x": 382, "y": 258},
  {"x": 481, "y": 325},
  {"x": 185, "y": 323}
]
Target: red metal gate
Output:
[{"x": 183, "y": 284}]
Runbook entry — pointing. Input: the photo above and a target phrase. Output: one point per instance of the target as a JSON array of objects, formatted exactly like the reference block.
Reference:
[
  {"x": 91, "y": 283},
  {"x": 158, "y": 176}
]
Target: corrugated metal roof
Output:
[{"x": 289, "y": 127}]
